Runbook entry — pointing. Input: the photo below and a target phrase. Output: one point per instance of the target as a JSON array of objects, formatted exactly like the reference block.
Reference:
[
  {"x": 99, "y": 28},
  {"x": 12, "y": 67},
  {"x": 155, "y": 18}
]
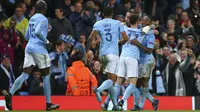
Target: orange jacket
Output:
[{"x": 80, "y": 79}]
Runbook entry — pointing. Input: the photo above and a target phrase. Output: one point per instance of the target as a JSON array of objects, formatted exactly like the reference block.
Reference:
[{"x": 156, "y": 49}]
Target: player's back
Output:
[
  {"x": 109, "y": 31},
  {"x": 129, "y": 50},
  {"x": 35, "y": 44},
  {"x": 149, "y": 41}
]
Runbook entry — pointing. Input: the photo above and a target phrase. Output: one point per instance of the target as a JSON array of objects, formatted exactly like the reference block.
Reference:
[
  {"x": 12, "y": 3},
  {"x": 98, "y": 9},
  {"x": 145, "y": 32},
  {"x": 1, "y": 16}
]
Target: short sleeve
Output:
[
  {"x": 151, "y": 42},
  {"x": 95, "y": 27}
]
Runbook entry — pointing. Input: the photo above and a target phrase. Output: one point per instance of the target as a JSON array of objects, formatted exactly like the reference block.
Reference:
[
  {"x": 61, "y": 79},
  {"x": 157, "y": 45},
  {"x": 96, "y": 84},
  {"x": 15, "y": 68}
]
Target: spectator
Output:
[
  {"x": 95, "y": 47},
  {"x": 194, "y": 14},
  {"x": 172, "y": 75},
  {"x": 78, "y": 21},
  {"x": 29, "y": 7},
  {"x": 197, "y": 76},
  {"x": 189, "y": 79},
  {"x": 127, "y": 5},
  {"x": 187, "y": 27},
  {"x": 8, "y": 43},
  {"x": 171, "y": 29},
  {"x": 90, "y": 58},
  {"x": 171, "y": 41},
  {"x": 82, "y": 40},
  {"x": 97, "y": 71},
  {"x": 183, "y": 55},
  {"x": 98, "y": 10},
  {"x": 35, "y": 84},
  {"x": 118, "y": 9},
  {"x": 7, "y": 76},
  {"x": 89, "y": 16},
  {"x": 2, "y": 20},
  {"x": 58, "y": 68},
  {"x": 162, "y": 57},
  {"x": 190, "y": 44},
  {"x": 22, "y": 22},
  {"x": 60, "y": 25},
  {"x": 68, "y": 8},
  {"x": 177, "y": 15},
  {"x": 181, "y": 45},
  {"x": 80, "y": 79}
]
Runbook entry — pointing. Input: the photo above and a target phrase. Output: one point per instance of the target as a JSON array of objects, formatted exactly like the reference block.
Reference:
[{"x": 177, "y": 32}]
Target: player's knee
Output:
[
  {"x": 133, "y": 81},
  {"x": 120, "y": 80},
  {"x": 28, "y": 70},
  {"x": 45, "y": 71},
  {"x": 112, "y": 77}
]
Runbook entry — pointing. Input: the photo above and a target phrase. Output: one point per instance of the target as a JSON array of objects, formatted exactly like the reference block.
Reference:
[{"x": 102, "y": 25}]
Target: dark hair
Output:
[
  {"x": 59, "y": 42},
  {"x": 107, "y": 11},
  {"x": 78, "y": 56},
  {"x": 60, "y": 8},
  {"x": 133, "y": 19},
  {"x": 19, "y": 5},
  {"x": 40, "y": 5},
  {"x": 171, "y": 34}
]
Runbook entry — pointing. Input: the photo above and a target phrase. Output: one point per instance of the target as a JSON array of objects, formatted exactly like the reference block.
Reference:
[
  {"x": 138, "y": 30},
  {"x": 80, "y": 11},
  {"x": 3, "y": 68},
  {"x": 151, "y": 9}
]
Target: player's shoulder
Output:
[
  {"x": 39, "y": 17},
  {"x": 115, "y": 21},
  {"x": 151, "y": 34},
  {"x": 97, "y": 23}
]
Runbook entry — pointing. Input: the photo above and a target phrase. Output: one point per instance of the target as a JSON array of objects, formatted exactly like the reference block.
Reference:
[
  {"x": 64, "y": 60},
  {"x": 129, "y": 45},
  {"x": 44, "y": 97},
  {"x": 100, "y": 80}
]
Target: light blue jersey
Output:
[
  {"x": 62, "y": 64},
  {"x": 109, "y": 31},
  {"x": 149, "y": 41},
  {"x": 129, "y": 50},
  {"x": 36, "y": 34}
]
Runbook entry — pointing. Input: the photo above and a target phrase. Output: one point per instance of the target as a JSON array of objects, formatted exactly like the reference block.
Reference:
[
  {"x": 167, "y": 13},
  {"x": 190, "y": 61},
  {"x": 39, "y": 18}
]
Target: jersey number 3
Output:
[{"x": 108, "y": 34}]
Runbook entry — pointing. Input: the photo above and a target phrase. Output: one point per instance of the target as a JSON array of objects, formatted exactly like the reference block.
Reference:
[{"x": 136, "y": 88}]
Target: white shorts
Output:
[
  {"x": 41, "y": 60},
  {"x": 111, "y": 66},
  {"x": 128, "y": 67}
]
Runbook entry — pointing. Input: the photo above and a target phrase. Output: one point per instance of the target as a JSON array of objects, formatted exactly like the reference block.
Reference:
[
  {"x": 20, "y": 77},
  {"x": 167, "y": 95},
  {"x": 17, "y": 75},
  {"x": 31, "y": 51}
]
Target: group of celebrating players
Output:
[{"x": 135, "y": 62}]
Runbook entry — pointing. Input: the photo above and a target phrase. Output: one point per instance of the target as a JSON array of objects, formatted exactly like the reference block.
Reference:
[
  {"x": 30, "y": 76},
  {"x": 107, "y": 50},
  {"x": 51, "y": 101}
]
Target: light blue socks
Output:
[
  {"x": 18, "y": 82},
  {"x": 47, "y": 88}
]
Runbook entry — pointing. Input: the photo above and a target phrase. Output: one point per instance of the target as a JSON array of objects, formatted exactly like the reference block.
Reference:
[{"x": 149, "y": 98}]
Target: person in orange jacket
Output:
[{"x": 81, "y": 81}]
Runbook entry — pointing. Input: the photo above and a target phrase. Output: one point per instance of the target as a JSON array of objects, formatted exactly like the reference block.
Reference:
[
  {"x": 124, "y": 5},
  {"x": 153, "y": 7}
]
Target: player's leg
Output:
[
  {"x": 136, "y": 98},
  {"x": 117, "y": 86},
  {"x": 132, "y": 73},
  {"x": 145, "y": 92},
  {"x": 120, "y": 78},
  {"x": 43, "y": 63},
  {"x": 110, "y": 63},
  {"x": 28, "y": 66}
]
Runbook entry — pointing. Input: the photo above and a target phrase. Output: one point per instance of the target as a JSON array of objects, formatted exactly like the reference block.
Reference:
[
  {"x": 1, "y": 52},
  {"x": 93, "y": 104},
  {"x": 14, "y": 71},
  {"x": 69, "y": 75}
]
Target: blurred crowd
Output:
[{"x": 177, "y": 30}]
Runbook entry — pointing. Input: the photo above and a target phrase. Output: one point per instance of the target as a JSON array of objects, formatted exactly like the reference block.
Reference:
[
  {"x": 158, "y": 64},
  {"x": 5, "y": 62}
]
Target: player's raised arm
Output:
[
  {"x": 40, "y": 30},
  {"x": 91, "y": 39}
]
